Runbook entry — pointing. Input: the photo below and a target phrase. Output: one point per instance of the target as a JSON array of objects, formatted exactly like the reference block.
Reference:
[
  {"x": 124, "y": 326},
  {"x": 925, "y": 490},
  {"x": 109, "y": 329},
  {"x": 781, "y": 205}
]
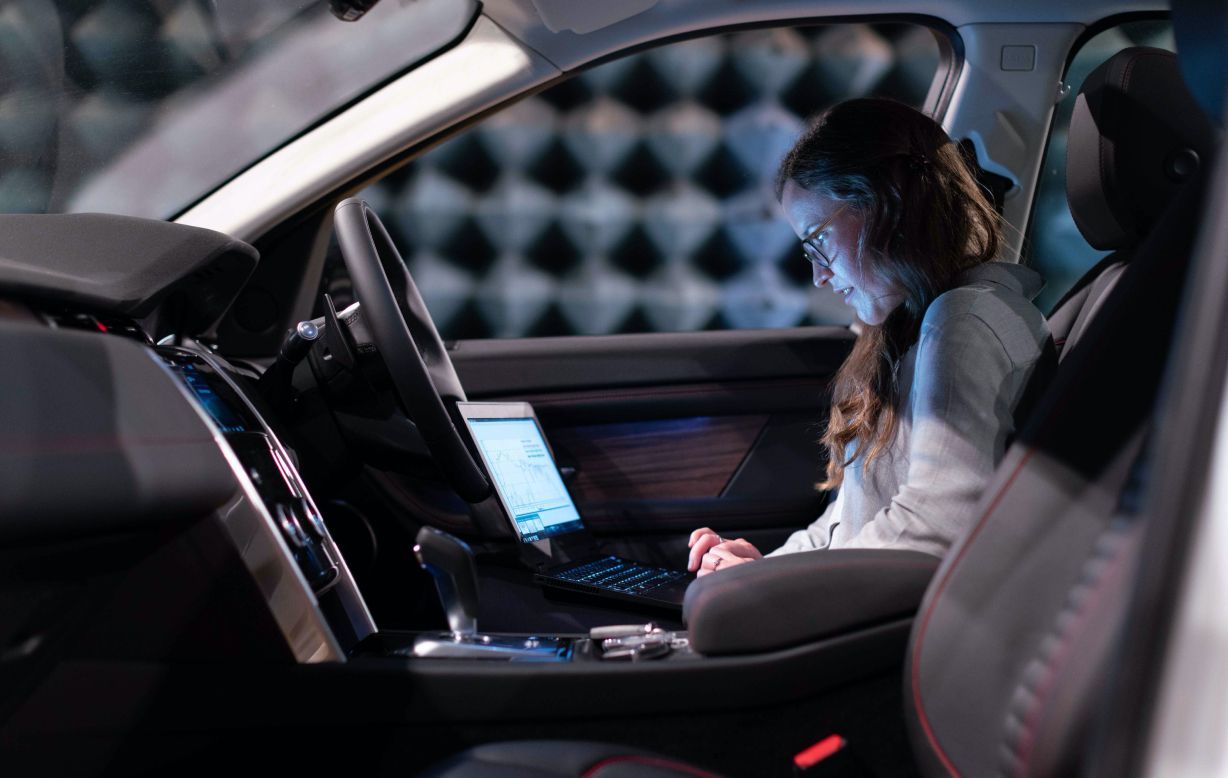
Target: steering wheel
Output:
[{"x": 397, "y": 318}]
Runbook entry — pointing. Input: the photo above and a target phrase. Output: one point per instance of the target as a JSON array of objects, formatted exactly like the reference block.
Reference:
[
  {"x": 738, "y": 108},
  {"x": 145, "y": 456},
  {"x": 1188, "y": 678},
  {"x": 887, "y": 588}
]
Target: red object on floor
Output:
[{"x": 819, "y": 751}]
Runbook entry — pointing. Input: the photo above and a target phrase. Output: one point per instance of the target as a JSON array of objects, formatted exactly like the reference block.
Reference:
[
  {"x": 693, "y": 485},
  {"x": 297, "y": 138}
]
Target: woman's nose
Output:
[{"x": 821, "y": 274}]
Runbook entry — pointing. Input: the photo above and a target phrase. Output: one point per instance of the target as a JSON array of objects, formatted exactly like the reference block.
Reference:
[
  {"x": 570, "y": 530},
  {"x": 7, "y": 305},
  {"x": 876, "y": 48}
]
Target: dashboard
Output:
[
  {"x": 269, "y": 468},
  {"x": 131, "y": 460},
  {"x": 117, "y": 426}
]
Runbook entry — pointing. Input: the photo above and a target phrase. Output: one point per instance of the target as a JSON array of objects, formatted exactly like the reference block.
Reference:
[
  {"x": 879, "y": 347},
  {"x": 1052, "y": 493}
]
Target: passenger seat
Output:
[{"x": 1118, "y": 183}]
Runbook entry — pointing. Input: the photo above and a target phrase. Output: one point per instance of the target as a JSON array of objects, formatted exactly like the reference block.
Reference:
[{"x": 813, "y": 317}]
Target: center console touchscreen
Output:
[{"x": 223, "y": 413}]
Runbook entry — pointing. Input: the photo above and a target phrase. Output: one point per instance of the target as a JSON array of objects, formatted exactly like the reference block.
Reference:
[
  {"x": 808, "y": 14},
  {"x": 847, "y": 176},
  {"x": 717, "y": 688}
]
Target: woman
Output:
[{"x": 893, "y": 220}]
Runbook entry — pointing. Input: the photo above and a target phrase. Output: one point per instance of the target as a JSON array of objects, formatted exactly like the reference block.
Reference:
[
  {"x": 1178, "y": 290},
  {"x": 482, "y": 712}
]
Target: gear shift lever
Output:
[{"x": 449, "y": 560}]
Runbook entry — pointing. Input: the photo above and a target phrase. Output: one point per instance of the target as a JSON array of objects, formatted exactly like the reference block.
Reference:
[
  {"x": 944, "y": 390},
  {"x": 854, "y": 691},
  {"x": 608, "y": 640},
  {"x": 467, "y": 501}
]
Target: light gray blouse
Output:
[{"x": 959, "y": 385}]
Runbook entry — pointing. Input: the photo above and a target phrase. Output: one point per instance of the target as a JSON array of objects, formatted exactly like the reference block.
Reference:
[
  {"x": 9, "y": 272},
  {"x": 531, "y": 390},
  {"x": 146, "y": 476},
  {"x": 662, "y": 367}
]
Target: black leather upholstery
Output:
[
  {"x": 739, "y": 611},
  {"x": 1010, "y": 645},
  {"x": 549, "y": 758},
  {"x": 1069, "y": 318},
  {"x": 1136, "y": 137},
  {"x": 1010, "y": 608}
]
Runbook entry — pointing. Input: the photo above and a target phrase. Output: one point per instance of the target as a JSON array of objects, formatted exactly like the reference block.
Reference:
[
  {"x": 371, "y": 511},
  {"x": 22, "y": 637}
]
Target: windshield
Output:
[{"x": 141, "y": 107}]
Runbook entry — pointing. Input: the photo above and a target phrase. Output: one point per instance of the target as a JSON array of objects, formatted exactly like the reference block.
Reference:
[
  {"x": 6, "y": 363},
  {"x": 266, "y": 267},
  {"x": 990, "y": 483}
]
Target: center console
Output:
[
  {"x": 449, "y": 561},
  {"x": 727, "y": 620},
  {"x": 281, "y": 519}
]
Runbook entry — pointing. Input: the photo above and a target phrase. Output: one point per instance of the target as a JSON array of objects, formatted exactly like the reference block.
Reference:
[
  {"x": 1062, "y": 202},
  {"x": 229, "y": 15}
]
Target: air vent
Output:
[{"x": 110, "y": 325}]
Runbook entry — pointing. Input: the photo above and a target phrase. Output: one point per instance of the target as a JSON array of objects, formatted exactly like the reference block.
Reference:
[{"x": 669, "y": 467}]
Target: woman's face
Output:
[{"x": 870, "y": 293}]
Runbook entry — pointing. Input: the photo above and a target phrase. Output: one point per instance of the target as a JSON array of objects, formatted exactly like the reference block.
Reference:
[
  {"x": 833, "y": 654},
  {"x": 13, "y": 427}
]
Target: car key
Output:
[
  {"x": 622, "y": 630},
  {"x": 635, "y": 653}
]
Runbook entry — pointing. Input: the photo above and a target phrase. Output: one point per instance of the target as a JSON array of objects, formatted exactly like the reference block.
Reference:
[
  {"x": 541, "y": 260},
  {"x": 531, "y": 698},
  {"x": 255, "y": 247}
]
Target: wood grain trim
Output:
[{"x": 655, "y": 460}]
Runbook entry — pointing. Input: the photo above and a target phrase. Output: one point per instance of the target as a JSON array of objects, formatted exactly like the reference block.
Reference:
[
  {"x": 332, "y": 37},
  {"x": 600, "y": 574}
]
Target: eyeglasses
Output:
[{"x": 810, "y": 247}]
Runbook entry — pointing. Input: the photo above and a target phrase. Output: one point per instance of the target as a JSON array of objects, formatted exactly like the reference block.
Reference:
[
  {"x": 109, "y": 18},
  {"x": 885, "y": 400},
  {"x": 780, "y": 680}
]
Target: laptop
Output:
[{"x": 553, "y": 539}]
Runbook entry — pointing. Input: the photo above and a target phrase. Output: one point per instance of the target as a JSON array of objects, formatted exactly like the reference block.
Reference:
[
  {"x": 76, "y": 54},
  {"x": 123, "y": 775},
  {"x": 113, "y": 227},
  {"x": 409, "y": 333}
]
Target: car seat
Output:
[
  {"x": 1114, "y": 203},
  {"x": 1009, "y": 650},
  {"x": 1037, "y": 589}
]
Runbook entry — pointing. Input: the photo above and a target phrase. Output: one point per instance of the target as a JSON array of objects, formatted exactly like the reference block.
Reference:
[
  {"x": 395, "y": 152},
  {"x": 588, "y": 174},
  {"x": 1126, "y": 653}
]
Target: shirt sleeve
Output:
[
  {"x": 962, "y": 400},
  {"x": 818, "y": 534}
]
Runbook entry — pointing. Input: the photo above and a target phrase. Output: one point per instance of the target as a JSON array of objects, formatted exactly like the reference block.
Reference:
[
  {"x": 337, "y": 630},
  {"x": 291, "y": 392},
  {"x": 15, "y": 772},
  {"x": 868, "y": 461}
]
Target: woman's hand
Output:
[{"x": 710, "y": 552}]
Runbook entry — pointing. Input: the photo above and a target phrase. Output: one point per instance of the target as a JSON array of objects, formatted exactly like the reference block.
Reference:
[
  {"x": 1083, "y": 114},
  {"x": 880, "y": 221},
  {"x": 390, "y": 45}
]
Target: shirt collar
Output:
[{"x": 1020, "y": 279}]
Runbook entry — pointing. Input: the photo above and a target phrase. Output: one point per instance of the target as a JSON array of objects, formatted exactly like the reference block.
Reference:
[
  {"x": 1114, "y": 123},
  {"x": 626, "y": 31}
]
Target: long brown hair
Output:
[{"x": 926, "y": 220}]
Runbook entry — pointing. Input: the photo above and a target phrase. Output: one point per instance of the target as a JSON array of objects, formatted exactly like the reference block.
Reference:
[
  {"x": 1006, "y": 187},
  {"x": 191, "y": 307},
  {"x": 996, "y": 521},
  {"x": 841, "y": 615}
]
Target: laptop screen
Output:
[{"x": 525, "y": 476}]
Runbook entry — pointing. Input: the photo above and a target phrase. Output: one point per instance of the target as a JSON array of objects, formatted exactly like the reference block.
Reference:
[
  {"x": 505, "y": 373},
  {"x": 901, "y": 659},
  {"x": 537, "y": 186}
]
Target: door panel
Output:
[
  {"x": 654, "y": 460},
  {"x": 502, "y": 369},
  {"x": 659, "y": 434}
]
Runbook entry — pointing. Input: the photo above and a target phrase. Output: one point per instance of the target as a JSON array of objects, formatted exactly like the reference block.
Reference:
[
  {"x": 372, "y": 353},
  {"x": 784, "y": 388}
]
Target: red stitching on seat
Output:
[
  {"x": 925, "y": 619},
  {"x": 1035, "y": 715},
  {"x": 652, "y": 761}
]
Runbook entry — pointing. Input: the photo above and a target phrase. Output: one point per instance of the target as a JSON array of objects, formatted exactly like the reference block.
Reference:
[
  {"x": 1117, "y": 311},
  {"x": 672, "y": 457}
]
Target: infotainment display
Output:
[{"x": 226, "y": 417}]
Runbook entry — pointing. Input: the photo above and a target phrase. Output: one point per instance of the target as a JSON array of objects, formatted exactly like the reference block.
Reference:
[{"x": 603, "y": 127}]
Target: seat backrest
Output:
[
  {"x": 1005, "y": 654},
  {"x": 1069, "y": 318},
  {"x": 1124, "y": 165}
]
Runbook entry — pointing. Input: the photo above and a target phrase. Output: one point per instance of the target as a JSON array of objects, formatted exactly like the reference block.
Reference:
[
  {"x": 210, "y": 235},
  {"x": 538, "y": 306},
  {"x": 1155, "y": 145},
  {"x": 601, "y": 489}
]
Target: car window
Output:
[
  {"x": 1053, "y": 245},
  {"x": 638, "y": 196}
]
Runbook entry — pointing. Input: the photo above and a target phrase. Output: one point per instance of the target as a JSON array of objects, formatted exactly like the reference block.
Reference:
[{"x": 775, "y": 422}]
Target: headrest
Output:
[{"x": 1136, "y": 137}]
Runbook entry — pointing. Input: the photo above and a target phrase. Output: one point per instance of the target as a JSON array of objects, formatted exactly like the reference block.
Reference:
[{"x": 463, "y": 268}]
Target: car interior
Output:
[{"x": 302, "y": 543}]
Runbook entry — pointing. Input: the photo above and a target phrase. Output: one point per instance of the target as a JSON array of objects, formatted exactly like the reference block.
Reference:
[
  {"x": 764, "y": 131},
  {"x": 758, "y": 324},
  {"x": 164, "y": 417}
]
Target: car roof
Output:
[{"x": 571, "y": 33}]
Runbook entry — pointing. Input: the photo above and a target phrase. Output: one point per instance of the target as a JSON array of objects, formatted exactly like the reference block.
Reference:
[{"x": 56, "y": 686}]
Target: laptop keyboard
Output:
[{"x": 619, "y": 575}]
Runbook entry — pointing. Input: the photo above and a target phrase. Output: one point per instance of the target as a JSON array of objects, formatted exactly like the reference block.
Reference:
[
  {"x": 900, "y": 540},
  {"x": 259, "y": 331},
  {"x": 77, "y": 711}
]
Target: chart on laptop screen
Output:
[{"x": 526, "y": 477}]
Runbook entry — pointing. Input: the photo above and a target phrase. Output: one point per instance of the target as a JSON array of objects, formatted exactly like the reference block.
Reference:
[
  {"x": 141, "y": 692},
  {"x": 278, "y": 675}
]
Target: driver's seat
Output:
[{"x": 1009, "y": 650}]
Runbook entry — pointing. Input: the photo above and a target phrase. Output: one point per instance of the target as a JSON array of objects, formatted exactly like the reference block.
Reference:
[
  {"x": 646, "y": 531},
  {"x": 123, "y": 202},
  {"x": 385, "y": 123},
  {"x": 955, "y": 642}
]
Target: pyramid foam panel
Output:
[{"x": 639, "y": 195}]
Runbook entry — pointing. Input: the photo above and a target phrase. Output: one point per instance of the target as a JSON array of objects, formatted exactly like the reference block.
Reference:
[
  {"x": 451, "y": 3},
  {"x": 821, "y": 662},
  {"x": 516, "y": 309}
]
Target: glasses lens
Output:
[{"x": 815, "y": 255}]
